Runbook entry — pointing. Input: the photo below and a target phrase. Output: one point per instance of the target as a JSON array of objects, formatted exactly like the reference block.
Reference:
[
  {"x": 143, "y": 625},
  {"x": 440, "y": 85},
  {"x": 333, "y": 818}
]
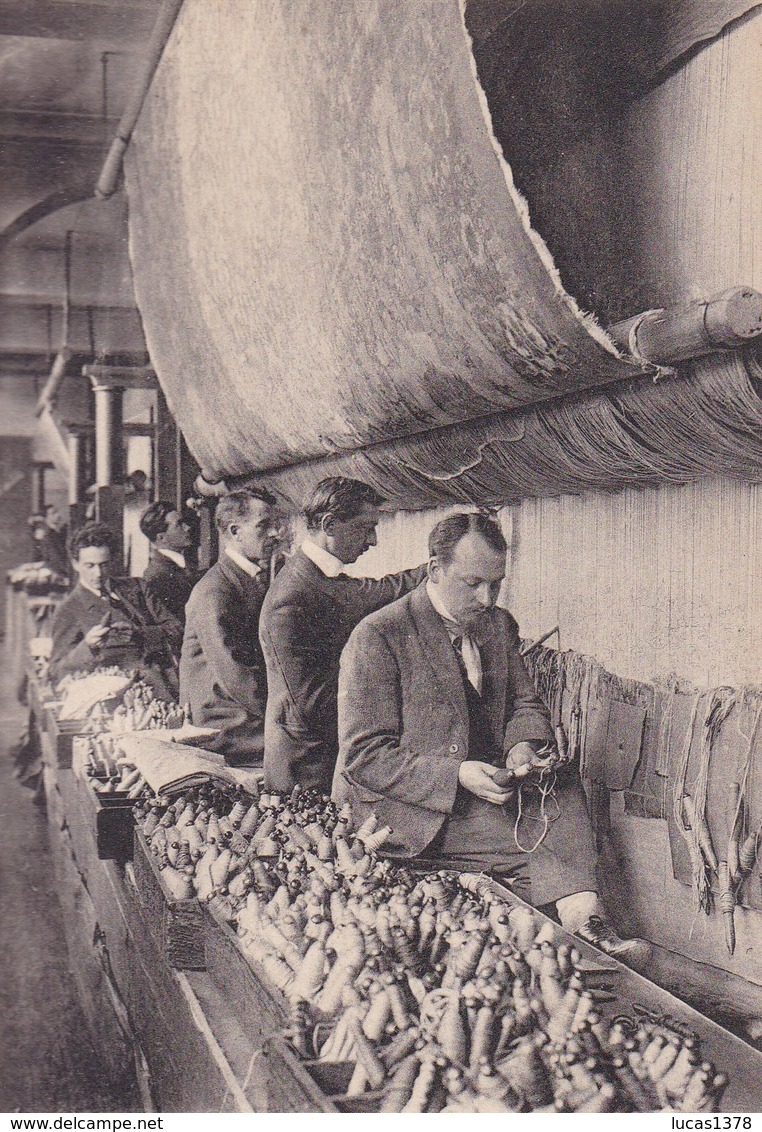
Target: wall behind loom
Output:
[
  {"x": 650, "y": 582},
  {"x": 673, "y": 185},
  {"x": 664, "y": 580}
]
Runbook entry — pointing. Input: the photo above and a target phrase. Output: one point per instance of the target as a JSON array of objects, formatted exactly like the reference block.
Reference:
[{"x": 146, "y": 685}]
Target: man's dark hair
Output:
[
  {"x": 341, "y": 498},
  {"x": 448, "y": 533},
  {"x": 153, "y": 521},
  {"x": 92, "y": 534},
  {"x": 235, "y": 505}
]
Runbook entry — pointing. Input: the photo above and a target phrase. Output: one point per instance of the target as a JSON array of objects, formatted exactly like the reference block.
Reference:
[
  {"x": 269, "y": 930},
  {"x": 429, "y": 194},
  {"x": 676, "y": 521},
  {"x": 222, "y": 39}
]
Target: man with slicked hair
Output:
[
  {"x": 168, "y": 577},
  {"x": 307, "y": 616},
  {"x": 444, "y": 738},
  {"x": 222, "y": 671}
]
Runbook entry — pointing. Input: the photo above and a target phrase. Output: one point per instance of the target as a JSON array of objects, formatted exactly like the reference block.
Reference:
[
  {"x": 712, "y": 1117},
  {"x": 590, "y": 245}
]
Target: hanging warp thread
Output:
[
  {"x": 681, "y": 810},
  {"x": 745, "y": 867}
]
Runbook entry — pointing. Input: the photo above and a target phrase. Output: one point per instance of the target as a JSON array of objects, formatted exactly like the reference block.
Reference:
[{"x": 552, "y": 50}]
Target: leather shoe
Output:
[{"x": 633, "y": 952}]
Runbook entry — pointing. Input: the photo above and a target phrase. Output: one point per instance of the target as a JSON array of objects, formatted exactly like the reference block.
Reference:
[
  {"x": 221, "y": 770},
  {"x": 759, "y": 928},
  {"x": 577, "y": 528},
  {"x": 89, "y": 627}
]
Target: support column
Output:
[
  {"x": 39, "y": 468},
  {"x": 109, "y": 458},
  {"x": 79, "y": 435},
  {"x": 166, "y": 479},
  {"x": 108, "y": 384}
]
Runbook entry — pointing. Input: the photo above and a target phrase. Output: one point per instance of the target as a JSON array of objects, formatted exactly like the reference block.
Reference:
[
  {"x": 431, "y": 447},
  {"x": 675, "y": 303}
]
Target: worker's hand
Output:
[
  {"x": 121, "y": 634},
  {"x": 521, "y": 759},
  {"x": 94, "y": 637},
  {"x": 478, "y": 779}
]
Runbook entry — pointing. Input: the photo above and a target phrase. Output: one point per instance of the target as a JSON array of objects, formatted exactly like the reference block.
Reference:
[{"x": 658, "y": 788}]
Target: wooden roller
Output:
[{"x": 664, "y": 337}]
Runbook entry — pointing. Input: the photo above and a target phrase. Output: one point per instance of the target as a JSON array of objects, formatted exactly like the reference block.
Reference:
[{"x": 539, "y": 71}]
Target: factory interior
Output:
[{"x": 485, "y": 271}]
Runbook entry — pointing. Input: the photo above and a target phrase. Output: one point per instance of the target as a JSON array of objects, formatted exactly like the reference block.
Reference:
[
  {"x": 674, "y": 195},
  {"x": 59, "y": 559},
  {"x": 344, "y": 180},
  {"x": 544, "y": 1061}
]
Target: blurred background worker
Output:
[
  {"x": 49, "y": 535},
  {"x": 112, "y": 621}
]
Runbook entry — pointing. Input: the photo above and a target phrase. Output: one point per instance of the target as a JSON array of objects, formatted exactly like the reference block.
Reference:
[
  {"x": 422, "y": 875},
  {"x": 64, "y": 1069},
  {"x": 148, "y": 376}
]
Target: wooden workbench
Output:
[
  {"x": 174, "y": 1027},
  {"x": 212, "y": 1040}
]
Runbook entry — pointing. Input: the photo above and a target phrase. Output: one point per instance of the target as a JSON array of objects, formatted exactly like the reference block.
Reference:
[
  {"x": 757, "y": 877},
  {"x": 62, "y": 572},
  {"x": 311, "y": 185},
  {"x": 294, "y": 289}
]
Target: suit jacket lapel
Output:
[
  {"x": 492, "y": 649},
  {"x": 249, "y": 588},
  {"x": 438, "y": 650}
]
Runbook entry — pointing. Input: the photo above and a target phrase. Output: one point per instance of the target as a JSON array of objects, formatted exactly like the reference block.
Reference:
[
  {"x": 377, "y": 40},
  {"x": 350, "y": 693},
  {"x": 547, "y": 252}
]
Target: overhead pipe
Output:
[
  {"x": 666, "y": 337},
  {"x": 108, "y": 182}
]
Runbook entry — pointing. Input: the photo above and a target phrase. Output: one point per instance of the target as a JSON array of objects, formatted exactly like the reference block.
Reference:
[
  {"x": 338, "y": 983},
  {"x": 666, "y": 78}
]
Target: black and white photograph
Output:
[{"x": 381, "y": 547}]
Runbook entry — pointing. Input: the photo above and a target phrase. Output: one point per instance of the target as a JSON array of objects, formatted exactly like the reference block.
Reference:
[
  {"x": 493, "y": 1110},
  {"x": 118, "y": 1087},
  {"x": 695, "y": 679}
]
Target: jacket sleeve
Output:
[
  {"x": 375, "y": 593},
  {"x": 375, "y": 754},
  {"x": 157, "y": 585},
  {"x": 162, "y": 627},
  {"x": 529, "y": 719},
  {"x": 69, "y": 653},
  {"x": 292, "y": 634},
  {"x": 233, "y": 658}
]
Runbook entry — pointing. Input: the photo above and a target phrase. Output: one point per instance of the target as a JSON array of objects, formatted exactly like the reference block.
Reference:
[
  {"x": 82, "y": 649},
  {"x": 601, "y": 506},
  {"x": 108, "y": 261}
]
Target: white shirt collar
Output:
[
  {"x": 253, "y": 569},
  {"x": 441, "y": 609},
  {"x": 173, "y": 556},
  {"x": 326, "y": 562}
]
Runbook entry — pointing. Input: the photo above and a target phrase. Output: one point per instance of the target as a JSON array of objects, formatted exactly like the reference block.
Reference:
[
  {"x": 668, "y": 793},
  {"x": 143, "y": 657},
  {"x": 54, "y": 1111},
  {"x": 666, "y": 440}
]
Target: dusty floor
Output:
[{"x": 47, "y": 1061}]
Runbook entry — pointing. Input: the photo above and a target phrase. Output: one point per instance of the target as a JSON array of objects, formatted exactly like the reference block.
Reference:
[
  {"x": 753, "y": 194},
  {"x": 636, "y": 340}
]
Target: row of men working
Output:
[{"x": 406, "y": 695}]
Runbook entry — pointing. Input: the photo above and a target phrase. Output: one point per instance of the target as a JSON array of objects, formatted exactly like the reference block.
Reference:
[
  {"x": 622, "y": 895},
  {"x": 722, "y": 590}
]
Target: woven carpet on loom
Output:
[{"x": 328, "y": 250}]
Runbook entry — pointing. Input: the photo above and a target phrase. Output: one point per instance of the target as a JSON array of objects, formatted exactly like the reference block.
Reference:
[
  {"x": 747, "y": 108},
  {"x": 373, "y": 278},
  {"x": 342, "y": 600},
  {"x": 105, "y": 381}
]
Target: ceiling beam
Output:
[
  {"x": 25, "y": 363},
  {"x": 49, "y": 125},
  {"x": 20, "y": 300},
  {"x": 78, "y": 20}
]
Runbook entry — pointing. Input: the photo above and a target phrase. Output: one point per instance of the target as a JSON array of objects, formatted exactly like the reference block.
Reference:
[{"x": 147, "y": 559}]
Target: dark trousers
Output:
[{"x": 481, "y": 837}]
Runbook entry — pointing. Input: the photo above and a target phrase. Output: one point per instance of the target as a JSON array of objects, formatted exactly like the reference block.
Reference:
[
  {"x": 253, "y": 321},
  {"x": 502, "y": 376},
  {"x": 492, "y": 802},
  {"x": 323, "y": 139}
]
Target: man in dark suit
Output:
[
  {"x": 444, "y": 737},
  {"x": 308, "y": 614},
  {"x": 222, "y": 671},
  {"x": 167, "y": 577},
  {"x": 106, "y": 621}
]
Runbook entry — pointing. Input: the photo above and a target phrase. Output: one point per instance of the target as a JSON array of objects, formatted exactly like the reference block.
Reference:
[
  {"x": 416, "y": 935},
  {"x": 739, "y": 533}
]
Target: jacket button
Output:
[{"x": 454, "y": 748}]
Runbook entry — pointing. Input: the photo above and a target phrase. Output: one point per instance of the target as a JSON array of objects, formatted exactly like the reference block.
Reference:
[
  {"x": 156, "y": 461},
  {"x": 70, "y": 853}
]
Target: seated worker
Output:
[
  {"x": 222, "y": 671},
  {"x": 105, "y": 620},
  {"x": 308, "y": 614},
  {"x": 434, "y": 703},
  {"x": 167, "y": 577}
]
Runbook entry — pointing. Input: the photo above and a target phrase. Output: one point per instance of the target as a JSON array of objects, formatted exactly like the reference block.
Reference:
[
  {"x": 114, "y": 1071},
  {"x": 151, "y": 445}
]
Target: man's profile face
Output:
[
  {"x": 92, "y": 566},
  {"x": 255, "y": 536},
  {"x": 470, "y": 584},
  {"x": 177, "y": 536},
  {"x": 349, "y": 538}
]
